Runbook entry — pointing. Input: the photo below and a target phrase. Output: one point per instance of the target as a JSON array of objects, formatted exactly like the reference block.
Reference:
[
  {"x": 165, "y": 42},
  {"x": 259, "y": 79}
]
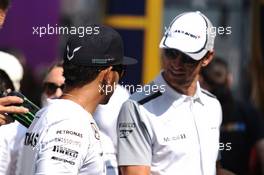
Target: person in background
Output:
[
  {"x": 53, "y": 83},
  {"x": 12, "y": 135},
  {"x": 7, "y": 103},
  {"x": 11, "y": 65},
  {"x": 14, "y": 70},
  {"x": 242, "y": 128},
  {"x": 12, "y": 131},
  {"x": 5, "y": 84},
  {"x": 30, "y": 78}
]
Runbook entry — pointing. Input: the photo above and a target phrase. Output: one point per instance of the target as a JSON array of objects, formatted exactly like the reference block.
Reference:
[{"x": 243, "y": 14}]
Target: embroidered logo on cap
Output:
[
  {"x": 74, "y": 50},
  {"x": 102, "y": 61}
]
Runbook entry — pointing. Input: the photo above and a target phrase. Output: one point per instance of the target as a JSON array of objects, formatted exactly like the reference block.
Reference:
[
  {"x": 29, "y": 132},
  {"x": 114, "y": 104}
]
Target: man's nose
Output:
[{"x": 178, "y": 60}]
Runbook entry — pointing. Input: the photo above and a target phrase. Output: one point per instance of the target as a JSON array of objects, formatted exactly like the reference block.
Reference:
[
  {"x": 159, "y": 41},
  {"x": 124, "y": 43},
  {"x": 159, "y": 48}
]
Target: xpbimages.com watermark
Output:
[
  {"x": 211, "y": 31},
  {"x": 41, "y": 31},
  {"x": 147, "y": 89},
  {"x": 225, "y": 146},
  {"x": 220, "y": 30}
]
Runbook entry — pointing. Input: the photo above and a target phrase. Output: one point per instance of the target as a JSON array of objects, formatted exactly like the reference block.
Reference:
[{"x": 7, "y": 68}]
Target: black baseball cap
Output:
[{"x": 103, "y": 48}]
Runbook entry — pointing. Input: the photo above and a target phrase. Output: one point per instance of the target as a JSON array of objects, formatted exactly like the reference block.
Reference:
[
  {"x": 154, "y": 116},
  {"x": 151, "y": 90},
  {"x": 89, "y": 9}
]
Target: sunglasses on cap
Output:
[
  {"x": 174, "y": 54},
  {"x": 51, "y": 88}
]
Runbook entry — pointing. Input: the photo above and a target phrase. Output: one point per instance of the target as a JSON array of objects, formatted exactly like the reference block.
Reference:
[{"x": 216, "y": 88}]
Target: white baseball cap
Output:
[
  {"x": 12, "y": 67},
  {"x": 191, "y": 34}
]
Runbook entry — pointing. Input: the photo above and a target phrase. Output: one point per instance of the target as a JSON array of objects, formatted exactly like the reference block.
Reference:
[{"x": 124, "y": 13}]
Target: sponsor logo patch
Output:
[
  {"x": 125, "y": 129},
  {"x": 63, "y": 160},
  {"x": 65, "y": 151},
  {"x": 174, "y": 138},
  {"x": 96, "y": 131},
  {"x": 31, "y": 139},
  {"x": 67, "y": 141},
  {"x": 69, "y": 132},
  {"x": 188, "y": 34}
]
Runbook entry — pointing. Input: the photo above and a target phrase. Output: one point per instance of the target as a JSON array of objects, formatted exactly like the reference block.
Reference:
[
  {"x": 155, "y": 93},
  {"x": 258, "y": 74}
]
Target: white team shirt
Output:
[
  {"x": 106, "y": 119},
  {"x": 170, "y": 132},
  {"x": 63, "y": 139},
  {"x": 11, "y": 145},
  {"x": 106, "y": 115},
  {"x": 11, "y": 139}
]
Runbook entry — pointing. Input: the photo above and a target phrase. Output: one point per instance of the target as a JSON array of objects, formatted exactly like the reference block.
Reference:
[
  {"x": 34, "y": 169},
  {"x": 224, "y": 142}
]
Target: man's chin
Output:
[
  {"x": 179, "y": 81},
  {"x": 105, "y": 100}
]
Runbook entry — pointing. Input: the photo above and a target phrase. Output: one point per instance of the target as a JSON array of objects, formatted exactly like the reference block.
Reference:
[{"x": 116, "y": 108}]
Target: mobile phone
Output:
[{"x": 27, "y": 118}]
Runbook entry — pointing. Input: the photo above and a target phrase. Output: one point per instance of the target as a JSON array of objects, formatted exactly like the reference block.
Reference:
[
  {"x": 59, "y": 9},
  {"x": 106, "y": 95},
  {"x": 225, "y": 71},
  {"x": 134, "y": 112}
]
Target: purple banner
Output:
[{"x": 17, "y": 31}]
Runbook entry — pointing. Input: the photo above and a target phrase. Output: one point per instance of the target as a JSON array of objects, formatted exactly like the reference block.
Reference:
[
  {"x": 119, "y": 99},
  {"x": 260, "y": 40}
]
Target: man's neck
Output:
[{"x": 87, "y": 97}]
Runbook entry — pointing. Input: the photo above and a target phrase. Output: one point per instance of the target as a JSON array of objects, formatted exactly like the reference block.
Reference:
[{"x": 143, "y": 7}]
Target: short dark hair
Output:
[
  {"x": 4, "y": 4},
  {"x": 77, "y": 76},
  {"x": 5, "y": 82},
  {"x": 210, "y": 75},
  {"x": 56, "y": 64}
]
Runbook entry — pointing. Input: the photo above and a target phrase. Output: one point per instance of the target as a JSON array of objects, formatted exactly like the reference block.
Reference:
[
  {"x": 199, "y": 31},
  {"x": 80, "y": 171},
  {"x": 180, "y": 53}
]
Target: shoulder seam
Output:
[
  {"x": 149, "y": 98},
  {"x": 208, "y": 93}
]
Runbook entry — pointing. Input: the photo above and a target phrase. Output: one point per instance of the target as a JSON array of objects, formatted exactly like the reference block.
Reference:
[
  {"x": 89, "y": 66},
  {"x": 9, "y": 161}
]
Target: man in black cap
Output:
[{"x": 64, "y": 138}]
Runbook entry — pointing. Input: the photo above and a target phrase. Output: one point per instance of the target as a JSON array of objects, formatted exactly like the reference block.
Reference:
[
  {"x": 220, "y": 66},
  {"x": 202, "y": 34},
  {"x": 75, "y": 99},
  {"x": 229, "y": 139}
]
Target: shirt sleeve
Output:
[
  {"x": 4, "y": 153},
  {"x": 134, "y": 143},
  {"x": 62, "y": 148}
]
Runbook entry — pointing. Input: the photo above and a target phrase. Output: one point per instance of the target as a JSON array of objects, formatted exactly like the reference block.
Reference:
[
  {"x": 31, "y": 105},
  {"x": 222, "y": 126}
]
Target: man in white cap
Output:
[
  {"x": 6, "y": 103},
  {"x": 11, "y": 134},
  {"x": 12, "y": 67},
  {"x": 176, "y": 130},
  {"x": 14, "y": 70}
]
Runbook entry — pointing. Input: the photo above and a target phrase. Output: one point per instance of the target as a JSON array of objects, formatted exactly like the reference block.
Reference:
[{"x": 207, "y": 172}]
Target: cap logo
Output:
[
  {"x": 102, "y": 61},
  {"x": 167, "y": 31},
  {"x": 74, "y": 50},
  {"x": 110, "y": 59},
  {"x": 188, "y": 34}
]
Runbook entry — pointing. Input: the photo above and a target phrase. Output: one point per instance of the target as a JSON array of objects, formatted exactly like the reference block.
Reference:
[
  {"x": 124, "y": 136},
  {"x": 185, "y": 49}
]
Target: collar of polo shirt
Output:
[{"x": 176, "y": 95}]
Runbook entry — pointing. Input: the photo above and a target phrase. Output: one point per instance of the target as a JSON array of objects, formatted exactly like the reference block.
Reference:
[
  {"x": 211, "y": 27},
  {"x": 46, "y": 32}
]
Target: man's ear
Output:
[
  {"x": 208, "y": 58},
  {"x": 104, "y": 74}
]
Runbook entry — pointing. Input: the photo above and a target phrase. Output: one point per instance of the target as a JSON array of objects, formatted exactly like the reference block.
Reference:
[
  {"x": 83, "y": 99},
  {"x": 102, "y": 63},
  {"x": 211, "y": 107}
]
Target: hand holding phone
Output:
[{"x": 27, "y": 118}]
